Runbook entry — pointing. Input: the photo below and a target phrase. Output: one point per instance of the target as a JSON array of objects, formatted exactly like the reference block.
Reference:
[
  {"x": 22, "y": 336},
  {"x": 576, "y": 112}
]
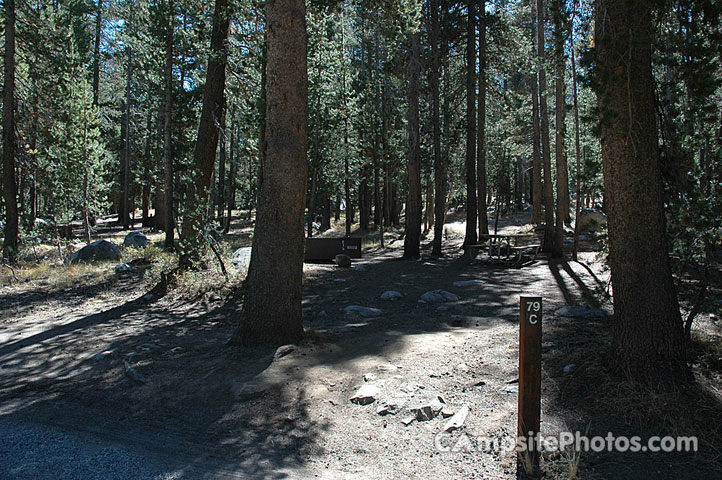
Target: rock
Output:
[
  {"x": 122, "y": 268},
  {"x": 367, "y": 312},
  {"x": 569, "y": 368},
  {"x": 100, "y": 250},
  {"x": 365, "y": 395},
  {"x": 439, "y": 296},
  {"x": 282, "y": 351},
  {"x": 147, "y": 347},
  {"x": 241, "y": 258},
  {"x": 339, "y": 280},
  {"x": 510, "y": 389},
  {"x": 579, "y": 312},
  {"x": 428, "y": 410},
  {"x": 391, "y": 407},
  {"x": 457, "y": 421},
  {"x": 343, "y": 261},
  {"x": 591, "y": 219},
  {"x": 469, "y": 283},
  {"x": 442, "y": 308},
  {"x": 386, "y": 367},
  {"x": 102, "y": 355},
  {"x": 408, "y": 420},
  {"x": 252, "y": 389},
  {"x": 446, "y": 412},
  {"x": 369, "y": 377},
  {"x": 135, "y": 239},
  {"x": 391, "y": 295},
  {"x": 462, "y": 367},
  {"x": 133, "y": 373}
]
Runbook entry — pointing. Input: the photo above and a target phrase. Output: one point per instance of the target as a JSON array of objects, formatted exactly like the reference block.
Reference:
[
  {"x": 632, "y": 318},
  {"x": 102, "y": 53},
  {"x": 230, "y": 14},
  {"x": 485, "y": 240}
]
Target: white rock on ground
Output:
[
  {"x": 391, "y": 295},
  {"x": 457, "y": 420},
  {"x": 439, "y": 296},
  {"x": 366, "y": 394},
  {"x": 363, "y": 311}
]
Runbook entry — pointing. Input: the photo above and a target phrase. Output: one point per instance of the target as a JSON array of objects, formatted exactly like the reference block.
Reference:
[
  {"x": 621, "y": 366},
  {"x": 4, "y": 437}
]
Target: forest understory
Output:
[{"x": 85, "y": 350}]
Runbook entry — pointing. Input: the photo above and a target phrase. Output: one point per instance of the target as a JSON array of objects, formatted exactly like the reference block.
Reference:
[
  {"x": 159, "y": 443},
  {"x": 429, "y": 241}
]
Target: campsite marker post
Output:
[{"x": 530, "y": 332}]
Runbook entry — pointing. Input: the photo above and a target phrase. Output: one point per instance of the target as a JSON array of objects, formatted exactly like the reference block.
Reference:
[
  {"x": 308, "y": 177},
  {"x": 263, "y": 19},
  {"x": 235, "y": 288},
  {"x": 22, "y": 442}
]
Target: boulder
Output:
[
  {"x": 391, "y": 295},
  {"x": 439, "y": 296},
  {"x": 457, "y": 421},
  {"x": 367, "y": 312},
  {"x": 343, "y": 261},
  {"x": 469, "y": 283},
  {"x": 241, "y": 258},
  {"x": 100, "y": 250},
  {"x": 135, "y": 239},
  {"x": 591, "y": 219},
  {"x": 365, "y": 395},
  {"x": 428, "y": 410}
]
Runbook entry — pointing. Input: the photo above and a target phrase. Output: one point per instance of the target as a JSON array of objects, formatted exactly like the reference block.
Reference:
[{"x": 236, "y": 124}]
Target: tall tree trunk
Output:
[
  {"x": 648, "y": 340},
  {"x": 271, "y": 311},
  {"x": 481, "y": 127},
  {"x": 544, "y": 116},
  {"x": 10, "y": 245},
  {"x": 412, "y": 237},
  {"x": 212, "y": 112},
  {"x": 231, "y": 201},
  {"x": 312, "y": 203},
  {"x": 123, "y": 210},
  {"x": 221, "y": 189},
  {"x": 536, "y": 173},
  {"x": 96, "y": 53},
  {"x": 471, "y": 204},
  {"x": 577, "y": 152},
  {"x": 167, "y": 132},
  {"x": 439, "y": 162},
  {"x": 562, "y": 210}
]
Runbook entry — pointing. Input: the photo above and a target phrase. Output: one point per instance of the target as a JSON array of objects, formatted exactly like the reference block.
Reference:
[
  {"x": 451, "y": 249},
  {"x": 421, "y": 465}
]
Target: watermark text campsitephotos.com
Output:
[{"x": 576, "y": 441}]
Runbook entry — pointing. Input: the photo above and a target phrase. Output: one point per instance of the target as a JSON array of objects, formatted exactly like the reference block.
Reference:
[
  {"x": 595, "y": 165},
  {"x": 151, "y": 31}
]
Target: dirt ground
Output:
[{"x": 208, "y": 410}]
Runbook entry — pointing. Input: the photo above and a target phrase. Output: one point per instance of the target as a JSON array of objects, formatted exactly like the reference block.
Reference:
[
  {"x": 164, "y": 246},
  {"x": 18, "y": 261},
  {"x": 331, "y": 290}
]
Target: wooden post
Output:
[{"x": 530, "y": 332}]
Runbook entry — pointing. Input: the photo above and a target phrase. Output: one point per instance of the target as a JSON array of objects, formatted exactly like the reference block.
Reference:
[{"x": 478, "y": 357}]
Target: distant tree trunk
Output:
[
  {"x": 326, "y": 218},
  {"x": 221, "y": 189},
  {"x": 10, "y": 245},
  {"x": 212, "y": 112},
  {"x": 231, "y": 178},
  {"x": 377, "y": 187},
  {"x": 471, "y": 203},
  {"x": 544, "y": 116},
  {"x": 439, "y": 162},
  {"x": 536, "y": 173},
  {"x": 271, "y": 311},
  {"x": 412, "y": 237},
  {"x": 562, "y": 210},
  {"x": 123, "y": 210},
  {"x": 648, "y": 341},
  {"x": 96, "y": 53},
  {"x": 578, "y": 201},
  {"x": 312, "y": 203},
  {"x": 481, "y": 127},
  {"x": 169, "y": 221}
]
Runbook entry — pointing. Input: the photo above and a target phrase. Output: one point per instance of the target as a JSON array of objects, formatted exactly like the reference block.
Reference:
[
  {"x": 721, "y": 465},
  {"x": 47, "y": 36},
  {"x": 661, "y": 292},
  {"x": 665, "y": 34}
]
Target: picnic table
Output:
[{"x": 506, "y": 248}]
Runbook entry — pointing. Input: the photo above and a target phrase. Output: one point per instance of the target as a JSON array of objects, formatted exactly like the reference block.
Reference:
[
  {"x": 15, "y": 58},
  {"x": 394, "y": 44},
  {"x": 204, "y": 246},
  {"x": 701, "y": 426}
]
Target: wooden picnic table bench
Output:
[{"x": 506, "y": 248}]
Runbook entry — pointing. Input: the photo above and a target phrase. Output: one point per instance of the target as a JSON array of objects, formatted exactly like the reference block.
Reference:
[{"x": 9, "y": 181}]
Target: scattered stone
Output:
[
  {"x": 408, "y": 420},
  {"x": 282, "y": 351},
  {"x": 147, "y": 347},
  {"x": 252, "y": 389},
  {"x": 579, "y": 312},
  {"x": 469, "y": 283},
  {"x": 123, "y": 267},
  {"x": 367, "y": 312},
  {"x": 439, "y": 296},
  {"x": 591, "y": 219},
  {"x": 241, "y": 258},
  {"x": 457, "y": 421},
  {"x": 343, "y": 261},
  {"x": 512, "y": 380},
  {"x": 369, "y": 377},
  {"x": 135, "y": 239},
  {"x": 568, "y": 369},
  {"x": 365, "y": 395},
  {"x": 510, "y": 389},
  {"x": 102, "y": 355},
  {"x": 391, "y": 407},
  {"x": 176, "y": 349},
  {"x": 462, "y": 367},
  {"x": 339, "y": 280},
  {"x": 391, "y": 295},
  {"x": 133, "y": 373},
  {"x": 446, "y": 412},
  {"x": 433, "y": 374},
  {"x": 387, "y": 367},
  {"x": 100, "y": 250},
  {"x": 428, "y": 410}
]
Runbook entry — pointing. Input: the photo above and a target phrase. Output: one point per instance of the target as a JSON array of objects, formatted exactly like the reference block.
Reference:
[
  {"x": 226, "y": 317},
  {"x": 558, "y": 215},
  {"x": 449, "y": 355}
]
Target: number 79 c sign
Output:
[{"x": 530, "y": 335}]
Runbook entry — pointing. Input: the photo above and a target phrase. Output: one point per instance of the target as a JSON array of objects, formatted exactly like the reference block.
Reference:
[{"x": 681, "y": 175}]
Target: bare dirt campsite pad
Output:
[{"x": 151, "y": 389}]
